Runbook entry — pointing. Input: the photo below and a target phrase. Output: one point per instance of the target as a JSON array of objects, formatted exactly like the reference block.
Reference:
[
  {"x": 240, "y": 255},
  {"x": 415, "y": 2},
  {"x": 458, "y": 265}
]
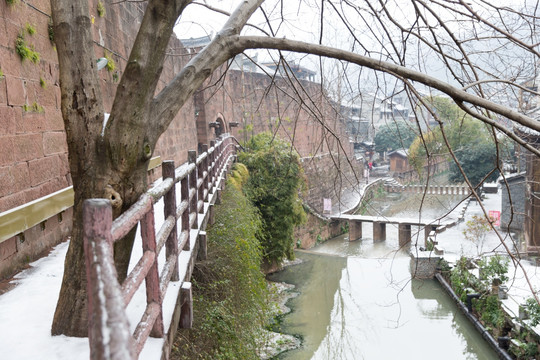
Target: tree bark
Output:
[{"x": 83, "y": 116}]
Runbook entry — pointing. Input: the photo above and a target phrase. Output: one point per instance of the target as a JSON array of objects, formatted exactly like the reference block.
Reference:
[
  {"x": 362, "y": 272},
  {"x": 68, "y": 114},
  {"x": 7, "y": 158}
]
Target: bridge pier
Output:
[
  {"x": 355, "y": 230},
  {"x": 427, "y": 230},
  {"x": 379, "y": 231},
  {"x": 404, "y": 231}
]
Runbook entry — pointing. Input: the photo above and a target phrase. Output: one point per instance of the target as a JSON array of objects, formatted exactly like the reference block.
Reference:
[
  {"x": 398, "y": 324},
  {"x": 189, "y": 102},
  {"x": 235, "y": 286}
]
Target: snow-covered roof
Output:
[
  {"x": 512, "y": 177},
  {"x": 242, "y": 63},
  {"x": 533, "y": 113},
  {"x": 400, "y": 152},
  {"x": 196, "y": 42}
]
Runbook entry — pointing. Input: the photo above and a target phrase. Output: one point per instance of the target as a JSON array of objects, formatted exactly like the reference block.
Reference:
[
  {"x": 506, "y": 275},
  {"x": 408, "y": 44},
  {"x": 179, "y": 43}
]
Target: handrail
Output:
[{"x": 197, "y": 179}]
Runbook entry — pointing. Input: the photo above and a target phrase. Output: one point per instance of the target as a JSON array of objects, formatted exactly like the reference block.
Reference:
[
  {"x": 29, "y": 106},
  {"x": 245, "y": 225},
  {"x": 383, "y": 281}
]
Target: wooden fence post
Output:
[
  {"x": 186, "y": 309},
  {"x": 192, "y": 159},
  {"x": 118, "y": 345},
  {"x": 184, "y": 195},
  {"x": 212, "y": 167},
  {"x": 171, "y": 246},
  {"x": 153, "y": 292},
  {"x": 201, "y": 255},
  {"x": 205, "y": 169}
]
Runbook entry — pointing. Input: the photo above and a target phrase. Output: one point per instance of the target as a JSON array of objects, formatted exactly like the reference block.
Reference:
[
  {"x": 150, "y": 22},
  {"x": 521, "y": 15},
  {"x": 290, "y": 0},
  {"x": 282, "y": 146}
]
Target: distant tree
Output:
[
  {"x": 393, "y": 136},
  {"x": 479, "y": 160},
  {"x": 471, "y": 142}
]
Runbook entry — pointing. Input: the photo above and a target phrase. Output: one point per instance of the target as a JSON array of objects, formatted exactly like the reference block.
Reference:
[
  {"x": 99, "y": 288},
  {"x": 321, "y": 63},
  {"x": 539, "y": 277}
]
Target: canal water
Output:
[{"x": 357, "y": 301}]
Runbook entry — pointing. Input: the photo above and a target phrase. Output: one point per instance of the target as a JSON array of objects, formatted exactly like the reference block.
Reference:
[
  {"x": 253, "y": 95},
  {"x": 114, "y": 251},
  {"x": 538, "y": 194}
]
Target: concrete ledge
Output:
[{"x": 26, "y": 216}]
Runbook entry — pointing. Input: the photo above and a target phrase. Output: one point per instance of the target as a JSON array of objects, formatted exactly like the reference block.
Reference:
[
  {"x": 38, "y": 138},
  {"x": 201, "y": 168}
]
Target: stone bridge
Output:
[{"x": 380, "y": 222}]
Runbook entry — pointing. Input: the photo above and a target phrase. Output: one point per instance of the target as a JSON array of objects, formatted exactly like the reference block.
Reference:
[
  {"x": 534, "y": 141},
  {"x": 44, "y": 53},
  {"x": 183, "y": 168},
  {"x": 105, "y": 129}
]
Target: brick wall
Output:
[
  {"x": 314, "y": 130},
  {"x": 33, "y": 149}
]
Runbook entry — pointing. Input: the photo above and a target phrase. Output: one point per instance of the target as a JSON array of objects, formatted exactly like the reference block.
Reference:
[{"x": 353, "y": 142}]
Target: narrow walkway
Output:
[
  {"x": 350, "y": 199},
  {"x": 27, "y": 310}
]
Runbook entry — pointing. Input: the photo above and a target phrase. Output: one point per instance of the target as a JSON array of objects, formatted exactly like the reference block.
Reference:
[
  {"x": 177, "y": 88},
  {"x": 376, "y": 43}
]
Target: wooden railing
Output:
[{"x": 109, "y": 333}]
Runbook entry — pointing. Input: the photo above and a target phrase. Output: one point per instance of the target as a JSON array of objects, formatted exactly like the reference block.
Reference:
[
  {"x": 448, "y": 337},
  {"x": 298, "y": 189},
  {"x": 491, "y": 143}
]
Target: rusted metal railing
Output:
[{"x": 199, "y": 178}]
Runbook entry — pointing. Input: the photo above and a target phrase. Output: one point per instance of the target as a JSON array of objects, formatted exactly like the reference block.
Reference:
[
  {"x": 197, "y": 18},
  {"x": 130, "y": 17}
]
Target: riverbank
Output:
[
  {"x": 344, "y": 284},
  {"x": 275, "y": 343}
]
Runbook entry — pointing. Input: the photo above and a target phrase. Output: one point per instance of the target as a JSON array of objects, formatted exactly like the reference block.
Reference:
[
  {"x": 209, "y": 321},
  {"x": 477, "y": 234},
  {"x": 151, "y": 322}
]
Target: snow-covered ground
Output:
[
  {"x": 523, "y": 274},
  {"x": 26, "y": 311}
]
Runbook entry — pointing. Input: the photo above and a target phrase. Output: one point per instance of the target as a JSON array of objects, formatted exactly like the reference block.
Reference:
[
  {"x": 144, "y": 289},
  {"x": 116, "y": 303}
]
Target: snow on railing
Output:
[{"x": 108, "y": 333}]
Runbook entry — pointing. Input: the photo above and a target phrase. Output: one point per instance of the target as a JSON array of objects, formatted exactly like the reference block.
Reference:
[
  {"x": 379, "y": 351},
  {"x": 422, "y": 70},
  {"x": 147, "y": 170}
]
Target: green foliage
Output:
[
  {"x": 12, "y": 2},
  {"x": 230, "y": 293},
  {"x": 524, "y": 349},
  {"x": 533, "y": 309},
  {"x": 111, "y": 65},
  {"x": 491, "y": 313},
  {"x": 1, "y": 74},
  {"x": 30, "y": 29},
  {"x": 239, "y": 176},
  {"x": 25, "y": 51},
  {"x": 275, "y": 179},
  {"x": 444, "y": 108},
  {"x": 477, "y": 160},
  {"x": 493, "y": 268},
  {"x": 443, "y": 266},
  {"x": 394, "y": 136},
  {"x": 344, "y": 228},
  {"x": 50, "y": 30},
  {"x": 470, "y": 141},
  {"x": 461, "y": 279},
  {"x": 101, "y": 9},
  {"x": 35, "y": 107},
  {"x": 42, "y": 83}
]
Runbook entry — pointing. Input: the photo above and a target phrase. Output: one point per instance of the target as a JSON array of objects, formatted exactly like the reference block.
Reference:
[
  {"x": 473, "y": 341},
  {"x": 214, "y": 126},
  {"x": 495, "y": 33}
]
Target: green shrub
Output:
[
  {"x": 490, "y": 311},
  {"x": 35, "y": 107},
  {"x": 461, "y": 279},
  {"x": 50, "y": 30},
  {"x": 230, "y": 293},
  {"x": 276, "y": 177},
  {"x": 533, "y": 309},
  {"x": 491, "y": 268}
]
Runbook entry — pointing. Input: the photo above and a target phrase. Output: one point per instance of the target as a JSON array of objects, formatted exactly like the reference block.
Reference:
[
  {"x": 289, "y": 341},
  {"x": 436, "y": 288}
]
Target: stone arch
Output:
[{"x": 221, "y": 125}]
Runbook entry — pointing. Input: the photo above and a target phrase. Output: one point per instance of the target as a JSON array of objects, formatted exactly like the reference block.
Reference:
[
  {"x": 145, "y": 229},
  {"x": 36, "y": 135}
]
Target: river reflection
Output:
[{"x": 357, "y": 301}]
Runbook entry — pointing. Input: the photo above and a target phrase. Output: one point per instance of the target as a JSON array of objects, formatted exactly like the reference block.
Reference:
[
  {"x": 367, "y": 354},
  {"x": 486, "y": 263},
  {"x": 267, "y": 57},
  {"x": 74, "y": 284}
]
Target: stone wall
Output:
[
  {"x": 331, "y": 176},
  {"x": 317, "y": 229}
]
